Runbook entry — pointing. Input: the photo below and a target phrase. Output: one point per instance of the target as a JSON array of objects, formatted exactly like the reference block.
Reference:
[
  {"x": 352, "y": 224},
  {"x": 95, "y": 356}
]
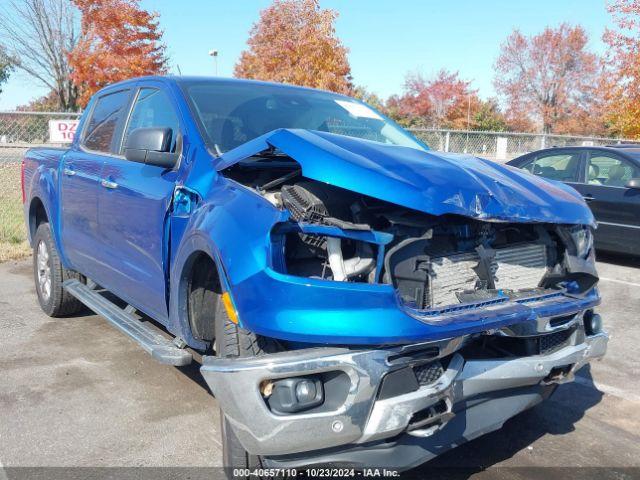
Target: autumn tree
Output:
[
  {"x": 488, "y": 117},
  {"x": 46, "y": 103},
  {"x": 119, "y": 40},
  {"x": 294, "y": 41},
  {"x": 38, "y": 35},
  {"x": 442, "y": 101},
  {"x": 5, "y": 67},
  {"x": 518, "y": 119},
  {"x": 621, "y": 82},
  {"x": 551, "y": 75}
]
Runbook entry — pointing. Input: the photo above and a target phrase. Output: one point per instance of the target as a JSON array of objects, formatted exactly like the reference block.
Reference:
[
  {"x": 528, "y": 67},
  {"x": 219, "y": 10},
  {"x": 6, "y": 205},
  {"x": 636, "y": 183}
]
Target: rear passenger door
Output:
[
  {"x": 81, "y": 177},
  {"x": 616, "y": 208},
  {"x": 133, "y": 209}
]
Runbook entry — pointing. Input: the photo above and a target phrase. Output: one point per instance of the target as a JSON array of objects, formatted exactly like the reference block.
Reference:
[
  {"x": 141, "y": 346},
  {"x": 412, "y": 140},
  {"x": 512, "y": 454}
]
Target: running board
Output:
[{"x": 160, "y": 347}]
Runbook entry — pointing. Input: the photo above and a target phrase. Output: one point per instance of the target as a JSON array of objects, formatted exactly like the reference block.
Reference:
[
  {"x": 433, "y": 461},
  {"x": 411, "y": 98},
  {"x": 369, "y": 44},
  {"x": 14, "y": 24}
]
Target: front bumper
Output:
[
  {"x": 361, "y": 416},
  {"x": 309, "y": 310}
]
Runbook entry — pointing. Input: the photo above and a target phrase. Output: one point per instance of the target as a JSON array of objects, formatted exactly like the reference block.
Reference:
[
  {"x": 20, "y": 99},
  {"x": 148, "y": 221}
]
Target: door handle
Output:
[
  {"x": 68, "y": 172},
  {"x": 108, "y": 184},
  {"x": 588, "y": 198}
]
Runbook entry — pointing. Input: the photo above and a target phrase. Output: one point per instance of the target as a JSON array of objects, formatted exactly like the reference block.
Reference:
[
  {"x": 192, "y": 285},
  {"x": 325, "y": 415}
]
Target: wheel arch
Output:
[
  {"x": 37, "y": 215},
  {"x": 200, "y": 287},
  {"x": 196, "y": 255}
]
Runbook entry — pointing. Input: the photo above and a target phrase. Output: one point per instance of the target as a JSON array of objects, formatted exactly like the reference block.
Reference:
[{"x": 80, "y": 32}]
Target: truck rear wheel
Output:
[
  {"x": 49, "y": 274},
  {"x": 233, "y": 341}
]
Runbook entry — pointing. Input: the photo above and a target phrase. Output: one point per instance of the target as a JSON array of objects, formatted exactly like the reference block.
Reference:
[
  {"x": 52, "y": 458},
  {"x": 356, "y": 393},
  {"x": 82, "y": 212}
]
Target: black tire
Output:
[
  {"x": 54, "y": 300},
  {"x": 233, "y": 341}
]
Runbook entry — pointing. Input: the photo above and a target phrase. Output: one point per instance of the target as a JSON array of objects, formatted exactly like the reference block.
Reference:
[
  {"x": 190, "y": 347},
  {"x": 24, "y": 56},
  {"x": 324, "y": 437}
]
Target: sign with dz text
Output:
[{"x": 62, "y": 131}]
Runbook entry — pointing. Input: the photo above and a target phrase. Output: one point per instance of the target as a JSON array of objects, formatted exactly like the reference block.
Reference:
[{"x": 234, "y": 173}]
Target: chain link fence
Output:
[
  {"x": 13, "y": 238},
  {"x": 20, "y": 131},
  {"x": 502, "y": 146}
]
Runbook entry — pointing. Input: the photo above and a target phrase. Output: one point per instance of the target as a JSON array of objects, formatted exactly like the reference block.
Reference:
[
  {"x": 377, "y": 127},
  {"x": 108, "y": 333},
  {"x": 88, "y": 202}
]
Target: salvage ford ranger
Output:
[{"x": 357, "y": 298}]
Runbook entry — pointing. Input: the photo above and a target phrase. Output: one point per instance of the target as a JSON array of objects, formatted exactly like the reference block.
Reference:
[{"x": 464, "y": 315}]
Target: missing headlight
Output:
[
  {"x": 328, "y": 252},
  {"x": 329, "y": 258},
  {"x": 582, "y": 238}
]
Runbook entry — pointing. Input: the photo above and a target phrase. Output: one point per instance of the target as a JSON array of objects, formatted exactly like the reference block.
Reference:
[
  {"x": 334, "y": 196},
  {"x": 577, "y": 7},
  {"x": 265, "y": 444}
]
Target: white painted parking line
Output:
[
  {"x": 624, "y": 282},
  {"x": 608, "y": 389}
]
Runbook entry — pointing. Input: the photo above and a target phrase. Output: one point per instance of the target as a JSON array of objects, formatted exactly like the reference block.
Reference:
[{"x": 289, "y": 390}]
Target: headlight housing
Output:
[
  {"x": 582, "y": 237},
  {"x": 328, "y": 252}
]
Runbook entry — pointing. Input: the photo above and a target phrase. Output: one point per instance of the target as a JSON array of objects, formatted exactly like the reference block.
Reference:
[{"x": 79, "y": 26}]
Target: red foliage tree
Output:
[
  {"x": 444, "y": 101},
  {"x": 621, "y": 82},
  {"x": 551, "y": 75},
  {"x": 294, "y": 41},
  {"x": 119, "y": 40}
]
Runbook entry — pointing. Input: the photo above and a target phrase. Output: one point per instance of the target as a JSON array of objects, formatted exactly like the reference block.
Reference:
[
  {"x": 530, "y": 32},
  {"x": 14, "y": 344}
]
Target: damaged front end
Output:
[
  {"x": 420, "y": 308},
  {"x": 394, "y": 407},
  {"x": 436, "y": 265}
]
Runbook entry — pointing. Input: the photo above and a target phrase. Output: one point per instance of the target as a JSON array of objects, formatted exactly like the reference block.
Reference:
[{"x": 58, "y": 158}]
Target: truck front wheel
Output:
[
  {"x": 49, "y": 274},
  {"x": 233, "y": 341}
]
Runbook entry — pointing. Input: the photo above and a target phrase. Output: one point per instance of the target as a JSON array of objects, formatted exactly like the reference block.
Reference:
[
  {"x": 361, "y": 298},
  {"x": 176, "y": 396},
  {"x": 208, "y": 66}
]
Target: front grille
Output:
[
  {"x": 553, "y": 341},
  {"x": 428, "y": 373}
]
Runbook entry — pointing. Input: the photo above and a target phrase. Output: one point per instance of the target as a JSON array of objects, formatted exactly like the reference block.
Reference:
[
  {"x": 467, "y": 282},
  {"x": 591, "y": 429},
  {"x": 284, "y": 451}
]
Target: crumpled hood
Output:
[{"x": 428, "y": 181}]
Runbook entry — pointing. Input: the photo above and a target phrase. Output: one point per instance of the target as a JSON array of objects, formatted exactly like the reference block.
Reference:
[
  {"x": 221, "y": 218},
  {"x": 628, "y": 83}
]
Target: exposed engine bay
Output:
[{"x": 432, "y": 261}]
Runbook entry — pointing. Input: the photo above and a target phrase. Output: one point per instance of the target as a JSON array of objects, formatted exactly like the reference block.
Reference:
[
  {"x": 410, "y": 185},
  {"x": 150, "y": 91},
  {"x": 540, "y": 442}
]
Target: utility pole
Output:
[
  {"x": 214, "y": 54},
  {"x": 466, "y": 146}
]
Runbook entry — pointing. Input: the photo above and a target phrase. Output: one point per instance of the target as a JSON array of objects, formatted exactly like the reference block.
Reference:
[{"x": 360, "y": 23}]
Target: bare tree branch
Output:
[{"x": 38, "y": 35}]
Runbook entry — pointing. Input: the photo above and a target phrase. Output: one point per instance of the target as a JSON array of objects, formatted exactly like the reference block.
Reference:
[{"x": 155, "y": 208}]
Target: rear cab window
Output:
[{"x": 101, "y": 131}]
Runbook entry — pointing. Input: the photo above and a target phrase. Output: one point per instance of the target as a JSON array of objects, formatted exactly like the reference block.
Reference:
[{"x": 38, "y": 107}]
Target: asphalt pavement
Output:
[{"x": 75, "y": 392}]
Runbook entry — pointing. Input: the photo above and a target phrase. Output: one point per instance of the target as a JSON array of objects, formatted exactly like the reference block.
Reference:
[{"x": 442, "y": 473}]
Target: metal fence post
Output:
[{"x": 446, "y": 141}]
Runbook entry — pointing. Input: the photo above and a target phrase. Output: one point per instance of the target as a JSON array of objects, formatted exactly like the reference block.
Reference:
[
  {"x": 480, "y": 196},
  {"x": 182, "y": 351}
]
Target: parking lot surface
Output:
[{"x": 75, "y": 392}]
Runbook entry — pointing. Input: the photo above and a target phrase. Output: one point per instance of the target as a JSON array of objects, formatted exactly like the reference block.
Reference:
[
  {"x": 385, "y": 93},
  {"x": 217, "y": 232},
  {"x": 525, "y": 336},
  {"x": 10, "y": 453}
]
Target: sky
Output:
[{"x": 386, "y": 38}]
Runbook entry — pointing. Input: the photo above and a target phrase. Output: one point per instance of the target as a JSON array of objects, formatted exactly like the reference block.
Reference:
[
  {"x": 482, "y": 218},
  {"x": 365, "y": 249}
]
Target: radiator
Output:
[{"x": 513, "y": 268}]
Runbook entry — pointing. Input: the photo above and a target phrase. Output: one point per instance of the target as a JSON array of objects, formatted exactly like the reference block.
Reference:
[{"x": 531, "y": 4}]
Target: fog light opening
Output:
[
  {"x": 292, "y": 395},
  {"x": 592, "y": 323}
]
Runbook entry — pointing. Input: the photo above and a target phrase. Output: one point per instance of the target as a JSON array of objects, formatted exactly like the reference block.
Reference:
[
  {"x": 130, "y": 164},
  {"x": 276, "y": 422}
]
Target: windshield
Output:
[{"x": 232, "y": 113}]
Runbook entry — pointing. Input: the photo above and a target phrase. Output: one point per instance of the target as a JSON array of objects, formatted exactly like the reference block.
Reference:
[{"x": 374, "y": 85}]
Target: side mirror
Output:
[
  {"x": 151, "y": 146},
  {"x": 633, "y": 183}
]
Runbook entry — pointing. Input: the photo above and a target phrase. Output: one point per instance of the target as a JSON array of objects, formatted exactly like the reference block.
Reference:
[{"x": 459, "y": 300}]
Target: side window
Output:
[
  {"x": 609, "y": 170},
  {"x": 104, "y": 120},
  {"x": 564, "y": 166},
  {"x": 153, "y": 109}
]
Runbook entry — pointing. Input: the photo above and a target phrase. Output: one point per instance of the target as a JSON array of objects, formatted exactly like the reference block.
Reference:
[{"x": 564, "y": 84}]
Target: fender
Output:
[
  {"x": 214, "y": 228},
  {"x": 43, "y": 185}
]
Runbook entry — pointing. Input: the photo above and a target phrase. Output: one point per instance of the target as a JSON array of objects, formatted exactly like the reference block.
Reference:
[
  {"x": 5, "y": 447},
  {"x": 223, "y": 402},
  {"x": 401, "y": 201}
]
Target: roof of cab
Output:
[{"x": 181, "y": 79}]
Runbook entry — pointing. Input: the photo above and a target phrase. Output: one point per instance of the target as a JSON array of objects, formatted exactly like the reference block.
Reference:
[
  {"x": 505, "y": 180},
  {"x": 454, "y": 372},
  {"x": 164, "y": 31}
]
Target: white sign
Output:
[
  {"x": 62, "y": 131},
  {"x": 501, "y": 148}
]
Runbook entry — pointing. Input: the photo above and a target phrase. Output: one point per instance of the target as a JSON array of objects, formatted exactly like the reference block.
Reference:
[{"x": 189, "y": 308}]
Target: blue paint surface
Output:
[{"x": 133, "y": 241}]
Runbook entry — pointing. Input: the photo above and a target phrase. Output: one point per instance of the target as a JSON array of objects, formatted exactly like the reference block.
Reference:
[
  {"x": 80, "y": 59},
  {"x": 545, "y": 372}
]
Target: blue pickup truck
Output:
[{"x": 357, "y": 299}]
